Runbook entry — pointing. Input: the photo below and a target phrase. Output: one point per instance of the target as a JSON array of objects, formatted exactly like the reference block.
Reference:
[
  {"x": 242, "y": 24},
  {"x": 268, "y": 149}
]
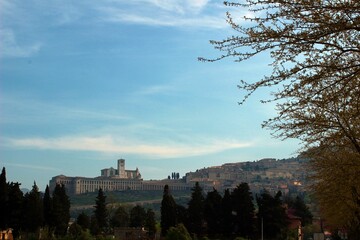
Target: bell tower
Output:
[{"x": 121, "y": 168}]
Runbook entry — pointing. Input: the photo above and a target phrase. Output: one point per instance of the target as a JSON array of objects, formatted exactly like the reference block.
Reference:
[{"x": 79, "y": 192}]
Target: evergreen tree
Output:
[
  {"x": 213, "y": 212},
  {"x": 83, "y": 220},
  {"x": 94, "y": 226},
  {"x": 101, "y": 213},
  {"x": 272, "y": 214},
  {"x": 3, "y": 199},
  {"x": 137, "y": 216},
  {"x": 182, "y": 215},
  {"x": 33, "y": 210},
  {"x": 179, "y": 232},
  {"x": 15, "y": 203},
  {"x": 196, "y": 211},
  {"x": 75, "y": 231},
  {"x": 243, "y": 206},
  {"x": 61, "y": 210},
  {"x": 168, "y": 211},
  {"x": 150, "y": 223},
  {"x": 227, "y": 217},
  {"x": 120, "y": 218},
  {"x": 48, "y": 208},
  {"x": 301, "y": 210}
]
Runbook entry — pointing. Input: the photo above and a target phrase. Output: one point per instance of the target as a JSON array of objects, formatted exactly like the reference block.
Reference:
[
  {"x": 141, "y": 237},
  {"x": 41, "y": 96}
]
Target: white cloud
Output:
[
  {"x": 9, "y": 47},
  {"x": 110, "y": 144},
  {"x": 180, "y": 6},
  {"x": 118, "y": 15}
]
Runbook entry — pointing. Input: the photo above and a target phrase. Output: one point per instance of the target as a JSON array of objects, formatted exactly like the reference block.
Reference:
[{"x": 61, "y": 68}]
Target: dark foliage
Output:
[
  {"x": 168, "y": 211},
  {"x": 15, "y": 203},
  {"x": 243, "y": 207},
  {"x": 150, "y": 223},
  {"x": 60, "y": 210},
  {"x": 213, "y": 212},
  {"x": 3, "y": 199},
  {"x": 272, "y": 214},
  {"x": 32, "y": 210},
  {"x": 301, "y": 210},
  {"x": 120, "y": 218},
  {"x": 137, "y": 217},
  {"x": 227, "y": 217},
  {"x": 48, "y": 208},
  {"x": 83, "y": 221},
  {"x": 196, "y": 221},
  {"x": 101, "y": 213}
]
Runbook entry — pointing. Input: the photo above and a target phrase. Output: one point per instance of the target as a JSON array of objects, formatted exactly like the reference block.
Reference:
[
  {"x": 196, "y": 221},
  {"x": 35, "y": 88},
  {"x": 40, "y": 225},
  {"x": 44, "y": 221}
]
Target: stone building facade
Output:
[{"x": 115, "y": 180}]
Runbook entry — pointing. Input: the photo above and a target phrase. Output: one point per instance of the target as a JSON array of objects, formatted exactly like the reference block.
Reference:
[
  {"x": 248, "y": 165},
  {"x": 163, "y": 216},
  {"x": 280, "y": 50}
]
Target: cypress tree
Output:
[
  {"x": 196, "y": 210},
  {"x": 83, "y": 220},
  {"x": 272, "y": 214},
  {"x": 94, "y": 226},
  {"x": 301, "y": 210},
  {"x": 227, "y": 217},
  {"x": 15, "y": 204},
  {"x": 243, "y": 206},
  {"x": 120, "y": 218},
  {"x": 137, "y": 217},
  {"x": 101, "y": 213},
  {"x": 3, "y": 200},
  {"x": 61, "y": 210},
  {"x": 48, "y": 208},
  {"x": 33, "y": 210},
  {"x": 168, "y": 211},
  {"x": 213, "y": 212},
  {"x": 150, "y": 223}
]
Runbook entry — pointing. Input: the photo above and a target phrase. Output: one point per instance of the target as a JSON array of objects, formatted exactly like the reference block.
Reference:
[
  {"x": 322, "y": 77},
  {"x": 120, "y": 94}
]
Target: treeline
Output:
[
  {"x": 47, "y": 216},
  {"x": 231, "y": 215},
  {"x": 102, "y": 222},
  {"x": 27, "y": 214}
]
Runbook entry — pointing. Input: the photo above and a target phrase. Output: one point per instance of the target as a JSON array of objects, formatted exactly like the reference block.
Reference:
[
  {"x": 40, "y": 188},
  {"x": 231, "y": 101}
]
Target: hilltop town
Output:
[
  {"x": 286, "y": 175},
  {"x": 271, "y": 174}
]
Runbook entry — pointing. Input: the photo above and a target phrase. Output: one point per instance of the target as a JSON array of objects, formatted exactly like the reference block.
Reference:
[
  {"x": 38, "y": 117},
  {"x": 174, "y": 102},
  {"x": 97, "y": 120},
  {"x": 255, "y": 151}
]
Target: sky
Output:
[{"x": 84, "y": 83}]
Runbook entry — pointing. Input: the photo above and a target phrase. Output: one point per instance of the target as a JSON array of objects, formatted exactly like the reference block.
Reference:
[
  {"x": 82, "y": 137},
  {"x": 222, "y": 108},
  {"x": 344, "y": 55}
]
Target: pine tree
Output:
[
  {"x": 301, "y": 210},
  {"x": 33, "y": 210},
  {"x": 182, "y": 214},
  {"x": 137, "y": 217},
  {"x": 243, "y": 206},
  {"x": 15, "y": 204},
  {"x": 48, "y": 208},
  {"x": 168, "y": 211},
  {"x": 83, "y": 220},
  {"x": 101, "y": 213},
  {"x": 3, "y": 200},
  {"x": 94, "y": 226},
  {"x": 61, "y": 209},
  {"x": 227, "y": 219},
  {"x": 272, "y": 214},
  {"x": 120, "y": 218},
  {"x": 196, "y": 211},
  {"x": 213, "y": 212},
  {"x": 150, "y": 223}
]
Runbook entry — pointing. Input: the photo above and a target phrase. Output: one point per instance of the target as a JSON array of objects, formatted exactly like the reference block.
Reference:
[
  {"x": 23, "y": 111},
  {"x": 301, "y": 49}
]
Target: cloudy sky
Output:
[{"x": 84, "y": 83}]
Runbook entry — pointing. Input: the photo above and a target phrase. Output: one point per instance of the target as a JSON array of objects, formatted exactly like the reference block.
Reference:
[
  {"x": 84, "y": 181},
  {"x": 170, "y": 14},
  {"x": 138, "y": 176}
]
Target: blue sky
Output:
[{"x": 84, "y": 83}]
